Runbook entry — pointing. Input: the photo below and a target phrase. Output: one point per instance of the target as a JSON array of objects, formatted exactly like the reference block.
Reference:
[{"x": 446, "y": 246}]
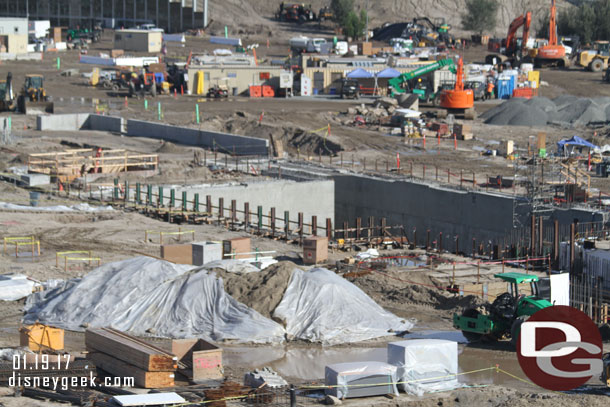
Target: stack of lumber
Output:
[{"x": 123, "y": 355}]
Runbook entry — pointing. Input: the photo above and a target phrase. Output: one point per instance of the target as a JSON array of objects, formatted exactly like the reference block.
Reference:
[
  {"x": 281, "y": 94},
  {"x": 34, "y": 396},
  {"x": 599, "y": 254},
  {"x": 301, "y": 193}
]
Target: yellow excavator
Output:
[
  {"x": 8, "y": 103},
  {"x": 33, "y": 98}
]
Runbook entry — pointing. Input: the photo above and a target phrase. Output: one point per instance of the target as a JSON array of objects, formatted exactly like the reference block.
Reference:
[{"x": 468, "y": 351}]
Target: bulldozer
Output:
[
  {"x": 502, "y": 318},
  {"x": 33, "y": 98},
  {"x": 8, "y": 103},
  {"x": 595, "y": 59}
]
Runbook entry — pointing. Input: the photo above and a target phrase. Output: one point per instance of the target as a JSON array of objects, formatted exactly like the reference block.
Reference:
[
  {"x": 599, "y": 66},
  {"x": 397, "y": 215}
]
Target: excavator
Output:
[
  {"x": 8, "y": 103},
  {"x": 513, "y": 51},
  {"x": 458, "y": 100},
  {"x": 423, "y": 89},
  {"x": 552, "y": 54},
  {"x": 33, "y": 98}
]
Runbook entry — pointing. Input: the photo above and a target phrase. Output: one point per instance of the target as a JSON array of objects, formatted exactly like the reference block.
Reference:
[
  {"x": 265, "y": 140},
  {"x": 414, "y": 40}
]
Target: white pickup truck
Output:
[{"x": 306, "y": 44}]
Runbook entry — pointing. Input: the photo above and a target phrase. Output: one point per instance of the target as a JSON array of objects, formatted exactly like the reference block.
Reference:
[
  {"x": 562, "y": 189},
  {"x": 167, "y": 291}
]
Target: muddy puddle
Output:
[{"x": 308, "y": 363}]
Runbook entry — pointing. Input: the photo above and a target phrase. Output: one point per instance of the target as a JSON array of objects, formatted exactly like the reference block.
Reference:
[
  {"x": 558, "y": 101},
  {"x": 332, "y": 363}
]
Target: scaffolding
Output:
[{"x": 71, "y": 164}]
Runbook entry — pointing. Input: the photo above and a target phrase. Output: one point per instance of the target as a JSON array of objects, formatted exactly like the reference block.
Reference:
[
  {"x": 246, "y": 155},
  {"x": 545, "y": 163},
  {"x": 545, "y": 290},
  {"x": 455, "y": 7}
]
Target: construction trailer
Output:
[
  {"x": 10, "y": 25},
  {"x": 138, "y": 40},
  {"x": 14, "y": 43}
]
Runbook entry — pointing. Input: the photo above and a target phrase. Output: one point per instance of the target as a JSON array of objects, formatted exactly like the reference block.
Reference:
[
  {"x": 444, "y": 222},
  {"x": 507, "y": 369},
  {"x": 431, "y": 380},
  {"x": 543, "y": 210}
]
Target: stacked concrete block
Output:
[{"x": 206, "y": 252}]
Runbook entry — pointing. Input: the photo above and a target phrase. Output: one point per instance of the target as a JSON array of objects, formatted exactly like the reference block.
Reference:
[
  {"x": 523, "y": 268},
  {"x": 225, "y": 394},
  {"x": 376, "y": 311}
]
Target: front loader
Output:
[{"x": 503, "y": 318}]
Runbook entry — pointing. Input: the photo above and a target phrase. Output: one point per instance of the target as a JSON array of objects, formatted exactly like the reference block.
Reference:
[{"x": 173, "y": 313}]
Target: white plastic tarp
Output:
[
  {"x": 146, "y": 296},
  {"x": 320, "y": 306},
  {"x": 14, "y": 287},
  {"x": 83, "y": 207},
  {"x": 425, "y": 365},
  {"x": 360, "y": 379}
]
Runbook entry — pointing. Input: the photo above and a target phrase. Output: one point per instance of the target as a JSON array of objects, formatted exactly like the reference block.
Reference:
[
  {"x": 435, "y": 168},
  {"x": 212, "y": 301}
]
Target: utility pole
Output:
[{"x": 367, "y": 21}]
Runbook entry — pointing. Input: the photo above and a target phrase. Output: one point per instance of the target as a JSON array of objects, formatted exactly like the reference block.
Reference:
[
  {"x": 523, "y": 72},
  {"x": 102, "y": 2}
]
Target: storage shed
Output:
[{"x": 138, "y": 40}]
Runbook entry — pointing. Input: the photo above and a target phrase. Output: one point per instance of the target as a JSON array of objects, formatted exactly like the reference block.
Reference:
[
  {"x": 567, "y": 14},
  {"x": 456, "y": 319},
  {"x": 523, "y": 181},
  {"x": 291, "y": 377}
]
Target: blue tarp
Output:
[
  {"x": 359, "y": 74},
  {"x": 574, "y": 141},
  {"x": 388, "y": 73}
]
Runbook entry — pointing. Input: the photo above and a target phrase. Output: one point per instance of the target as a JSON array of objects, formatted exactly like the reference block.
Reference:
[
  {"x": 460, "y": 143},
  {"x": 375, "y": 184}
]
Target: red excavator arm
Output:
[
  {"x": 553, "y": 25},
  {"x": 511, "y": 38},
  {"x": 459, "y": 80}
]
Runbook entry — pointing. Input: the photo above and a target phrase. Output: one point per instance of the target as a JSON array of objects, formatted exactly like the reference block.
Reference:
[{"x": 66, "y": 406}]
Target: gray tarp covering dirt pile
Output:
[
  {"x": 564, "y": 110},
  {"x": 145, "y": 296},
  {"x": 151, "y": 297},
  {"x": 320, "y": 306}
]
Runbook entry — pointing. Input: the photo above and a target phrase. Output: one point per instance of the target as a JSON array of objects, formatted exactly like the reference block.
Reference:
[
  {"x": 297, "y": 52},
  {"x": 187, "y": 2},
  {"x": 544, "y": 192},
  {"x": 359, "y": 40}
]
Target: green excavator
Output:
[
  {"x": 422, "y": 88},
  {"x": 503, "y": 318}
]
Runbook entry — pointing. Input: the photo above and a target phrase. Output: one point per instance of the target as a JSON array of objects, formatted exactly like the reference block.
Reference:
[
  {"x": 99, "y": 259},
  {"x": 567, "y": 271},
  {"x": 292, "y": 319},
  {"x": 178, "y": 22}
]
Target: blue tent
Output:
[
  {"x": 388, "y": 73},
  {"x": 359, "y": 73},
  {"x": 575, "y": 142}
]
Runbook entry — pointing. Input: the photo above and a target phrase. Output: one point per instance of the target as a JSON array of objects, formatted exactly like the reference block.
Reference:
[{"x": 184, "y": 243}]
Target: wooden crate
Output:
[
  {"x": 40, "y": 337},
  {"x": 315, "y": 250},
  {"x": 237, "y": 246},
  {"x": 203, "y": 360},
  {"x": 177, "y": 253}
]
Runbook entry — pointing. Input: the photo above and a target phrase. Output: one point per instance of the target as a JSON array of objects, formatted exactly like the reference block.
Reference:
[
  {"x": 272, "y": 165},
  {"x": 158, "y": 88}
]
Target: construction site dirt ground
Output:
[
  {"x": 117, "y": 235},
  {"x": 301, "y": 122}
]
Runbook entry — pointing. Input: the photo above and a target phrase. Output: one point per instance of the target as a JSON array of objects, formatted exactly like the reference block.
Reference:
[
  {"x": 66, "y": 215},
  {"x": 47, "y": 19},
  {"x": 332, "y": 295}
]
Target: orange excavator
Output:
[
  {"x": 512, "y": 51},
  {"x": 553, "y": 54},
  {"x": 458, "y": 100}
]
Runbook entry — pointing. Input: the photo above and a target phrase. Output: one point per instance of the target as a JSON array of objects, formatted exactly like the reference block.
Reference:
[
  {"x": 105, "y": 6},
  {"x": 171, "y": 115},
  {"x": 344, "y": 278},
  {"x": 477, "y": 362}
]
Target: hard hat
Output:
[{"x": 419, "y": 80}]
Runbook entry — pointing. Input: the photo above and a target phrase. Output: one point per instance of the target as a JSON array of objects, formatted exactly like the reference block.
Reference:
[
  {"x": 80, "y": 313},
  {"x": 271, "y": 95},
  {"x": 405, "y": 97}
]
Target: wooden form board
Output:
[
  {"x": 142, "y": 378},
  {"x": 177, "y": 253},
  {"x": 130, "y": 350}
]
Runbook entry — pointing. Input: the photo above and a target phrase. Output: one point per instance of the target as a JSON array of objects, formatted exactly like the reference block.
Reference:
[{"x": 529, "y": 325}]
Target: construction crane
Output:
[
  {"x": 512, "y": 51},
  {"x": 458, "y": 100},
  {"x": 401, "y": 83},
  {"x": 553, "y": 54}
]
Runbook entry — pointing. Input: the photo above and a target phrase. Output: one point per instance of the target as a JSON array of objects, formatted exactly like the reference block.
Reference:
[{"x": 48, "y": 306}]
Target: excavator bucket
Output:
[{"x": 39, "y": 107}]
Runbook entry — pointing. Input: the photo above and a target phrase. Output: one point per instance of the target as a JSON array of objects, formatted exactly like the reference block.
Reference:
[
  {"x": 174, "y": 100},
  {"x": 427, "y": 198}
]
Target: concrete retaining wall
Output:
[
  {"x": 310, "y": 197},
  {"x": 79, "y": 121},
  {"x": 223, "y": 142},
  {"x": 62, "y": 122},
  {"x": 482, "y": 216},
  {"x": 105, "y": 123}
]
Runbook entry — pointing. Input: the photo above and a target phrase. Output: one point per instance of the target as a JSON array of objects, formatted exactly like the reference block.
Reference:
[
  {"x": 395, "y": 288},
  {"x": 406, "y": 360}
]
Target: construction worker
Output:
[{"x": 489, "y": 91}]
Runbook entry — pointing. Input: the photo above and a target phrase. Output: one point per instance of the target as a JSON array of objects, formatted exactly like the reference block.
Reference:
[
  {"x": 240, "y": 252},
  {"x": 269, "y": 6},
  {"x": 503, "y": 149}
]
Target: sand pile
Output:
[
  {"x": 565, "y": 110},
  {"x": 169, "y": 148},
  {"x": 261, "y": 291}
]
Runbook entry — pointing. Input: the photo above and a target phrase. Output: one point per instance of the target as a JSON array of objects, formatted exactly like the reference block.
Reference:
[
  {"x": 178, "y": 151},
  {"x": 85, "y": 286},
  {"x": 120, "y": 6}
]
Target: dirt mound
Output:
[
  {"x": 394, "y": 293},
  {"x": 238, "y": 14},
  {"x": 262, "y": 291},
  {"x": 169, "y": 148},
  {"x": 563, "y": 110},
  {"x": 293, "y": 138}
]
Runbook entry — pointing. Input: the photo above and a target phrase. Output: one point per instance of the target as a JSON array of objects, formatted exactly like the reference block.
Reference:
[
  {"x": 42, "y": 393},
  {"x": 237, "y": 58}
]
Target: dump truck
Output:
[
  {"x": 502, "y": 318},
  {"x": 33, "y": 98},
  {"x": 595, "y": 59}
]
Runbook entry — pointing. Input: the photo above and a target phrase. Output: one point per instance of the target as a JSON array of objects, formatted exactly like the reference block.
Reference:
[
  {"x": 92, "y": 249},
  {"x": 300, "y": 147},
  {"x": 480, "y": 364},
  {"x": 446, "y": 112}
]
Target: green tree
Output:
[
  {"x": 480, "y": 15},
  {"x": 352, "y": 24},
  {"x": 341, "y": 9}
]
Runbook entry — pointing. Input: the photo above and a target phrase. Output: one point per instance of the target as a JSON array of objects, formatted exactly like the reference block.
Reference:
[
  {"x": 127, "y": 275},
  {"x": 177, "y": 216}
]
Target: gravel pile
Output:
[{"x": 565, "y": 110}]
